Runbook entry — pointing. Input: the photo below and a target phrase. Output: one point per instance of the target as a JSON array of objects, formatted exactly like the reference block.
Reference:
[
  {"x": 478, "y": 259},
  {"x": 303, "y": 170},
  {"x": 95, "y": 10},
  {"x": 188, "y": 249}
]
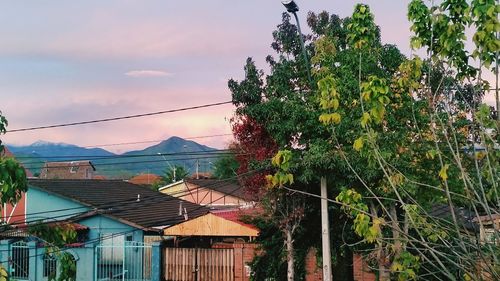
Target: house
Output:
[
  {"x": 114, "y": 216},
  {"x": 14, "y": 214},
  {"x": 210, "y": 192},
  {"x": 68, "y": 170},
  {"x": 218, "y": 245}
]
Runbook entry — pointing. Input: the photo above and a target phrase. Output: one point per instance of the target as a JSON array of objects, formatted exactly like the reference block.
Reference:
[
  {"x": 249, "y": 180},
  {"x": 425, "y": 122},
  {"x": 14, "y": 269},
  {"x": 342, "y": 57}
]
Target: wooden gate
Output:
[{"x": 193, "y": 264}]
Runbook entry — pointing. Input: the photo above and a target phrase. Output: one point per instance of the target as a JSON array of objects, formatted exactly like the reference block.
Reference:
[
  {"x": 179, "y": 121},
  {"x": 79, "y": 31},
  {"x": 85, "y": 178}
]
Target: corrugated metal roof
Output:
[{"x": 133, "y": 204}]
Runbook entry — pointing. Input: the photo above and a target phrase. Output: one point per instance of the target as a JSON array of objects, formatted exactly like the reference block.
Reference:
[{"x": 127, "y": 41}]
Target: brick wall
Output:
[
  {"x": 314, "y": 272},
  {"x": 313, "y": 269},
  {"x": 245, "y": 252},
  {"x": 361, "y": 270}
]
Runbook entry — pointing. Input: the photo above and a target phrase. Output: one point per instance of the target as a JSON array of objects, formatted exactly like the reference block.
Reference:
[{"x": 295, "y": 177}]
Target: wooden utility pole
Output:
[{"x": 325, "y": 233}]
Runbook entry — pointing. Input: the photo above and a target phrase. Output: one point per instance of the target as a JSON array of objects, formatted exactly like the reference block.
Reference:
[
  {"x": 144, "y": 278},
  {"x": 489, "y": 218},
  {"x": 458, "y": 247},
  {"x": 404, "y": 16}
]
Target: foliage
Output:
[
  {"x": 396, "y": 135},
  {"x": 226, "y": 166},
  {"x": 57, "y": 236},
  {"x": 67, "y": 267},
  {"x": 180, "y": 173},
  {"x": 3, "y": 274},
  {"x": 12, "y": 180}
]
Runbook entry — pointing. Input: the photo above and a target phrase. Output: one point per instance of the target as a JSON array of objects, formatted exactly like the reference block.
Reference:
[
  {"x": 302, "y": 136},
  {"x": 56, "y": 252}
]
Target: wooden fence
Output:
[{"x": 193, "y": 264}]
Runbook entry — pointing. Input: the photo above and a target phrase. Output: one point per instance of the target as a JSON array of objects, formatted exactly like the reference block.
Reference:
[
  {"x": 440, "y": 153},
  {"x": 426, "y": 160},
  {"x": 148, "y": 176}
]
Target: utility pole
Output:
[
  {"x": 325, "y": 233},
  {"x": 293, "y": 8},
  {"x": 197, "y": 168}
]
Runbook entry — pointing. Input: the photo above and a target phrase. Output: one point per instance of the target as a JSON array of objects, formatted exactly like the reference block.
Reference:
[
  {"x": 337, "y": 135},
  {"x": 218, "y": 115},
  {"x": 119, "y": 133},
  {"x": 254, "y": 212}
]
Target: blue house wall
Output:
[
  {"x": 42, "y": 205},
  {"x": 101, "y": 225},
  {"x": 39, "y": 202}
]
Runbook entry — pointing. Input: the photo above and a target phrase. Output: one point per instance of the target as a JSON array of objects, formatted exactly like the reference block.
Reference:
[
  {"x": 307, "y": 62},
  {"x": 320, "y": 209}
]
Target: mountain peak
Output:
[{"x": 47, "y": 143}]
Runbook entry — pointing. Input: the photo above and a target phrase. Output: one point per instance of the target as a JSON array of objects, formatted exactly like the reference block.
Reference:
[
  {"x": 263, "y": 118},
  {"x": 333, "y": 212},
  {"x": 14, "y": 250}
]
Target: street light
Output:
[
  {"x": 290, "y": 6},
  {"x": 173, "y": 168},
  {"x": 293, "y": 8}
]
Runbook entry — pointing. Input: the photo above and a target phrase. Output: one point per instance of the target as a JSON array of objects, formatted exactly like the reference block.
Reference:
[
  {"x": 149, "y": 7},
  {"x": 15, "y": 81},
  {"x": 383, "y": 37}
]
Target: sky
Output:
[{"x": 69, "y": 61}]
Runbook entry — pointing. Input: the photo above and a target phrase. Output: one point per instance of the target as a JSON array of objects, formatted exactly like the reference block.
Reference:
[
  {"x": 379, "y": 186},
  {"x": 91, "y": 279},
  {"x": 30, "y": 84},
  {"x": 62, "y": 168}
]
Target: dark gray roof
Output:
[
  {"x": 464, "y": 216},
  {"x": 130, "y": 203},
  {"x": 232, "y": 188}
]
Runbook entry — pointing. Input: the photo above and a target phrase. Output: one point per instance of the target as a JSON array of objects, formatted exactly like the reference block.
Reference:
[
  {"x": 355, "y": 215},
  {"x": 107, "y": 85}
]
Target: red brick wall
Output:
[
  {"x": 313, "y": 269},
  {"x": 361, "y": 270},
  {"x": 245, "y": 252},
  {"x": 314, "y": 272}
]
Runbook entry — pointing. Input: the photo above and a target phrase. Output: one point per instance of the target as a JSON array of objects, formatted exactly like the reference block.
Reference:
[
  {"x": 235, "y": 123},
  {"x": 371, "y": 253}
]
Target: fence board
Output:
[{"x": 191, "y": 264}]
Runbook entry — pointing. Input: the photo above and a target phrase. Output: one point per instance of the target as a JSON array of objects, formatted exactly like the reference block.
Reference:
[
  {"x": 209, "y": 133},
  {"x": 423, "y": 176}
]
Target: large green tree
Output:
[
  {"x": 390, "y": 133},
  {"x": 284, "y": 104}
]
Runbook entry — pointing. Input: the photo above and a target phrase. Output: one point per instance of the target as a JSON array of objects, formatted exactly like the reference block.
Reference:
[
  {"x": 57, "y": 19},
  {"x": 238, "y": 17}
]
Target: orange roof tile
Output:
[{"x": 145, "y": 179}]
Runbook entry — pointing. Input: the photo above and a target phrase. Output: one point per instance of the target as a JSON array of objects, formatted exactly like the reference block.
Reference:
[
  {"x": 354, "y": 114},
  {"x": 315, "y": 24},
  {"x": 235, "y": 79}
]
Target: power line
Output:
[
  {"x": 153, "y": 141},
  {"x": 87, "y": 157},
  {"x": 118, "y": 118},
  {"x": 34, "y": 165}
]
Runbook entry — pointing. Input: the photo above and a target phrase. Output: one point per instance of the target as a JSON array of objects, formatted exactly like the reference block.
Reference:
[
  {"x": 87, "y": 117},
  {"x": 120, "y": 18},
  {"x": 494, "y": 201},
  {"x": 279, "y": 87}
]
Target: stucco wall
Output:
[
  {"x": 103, "y": 225},
  {"x": 40, "y": 202}
]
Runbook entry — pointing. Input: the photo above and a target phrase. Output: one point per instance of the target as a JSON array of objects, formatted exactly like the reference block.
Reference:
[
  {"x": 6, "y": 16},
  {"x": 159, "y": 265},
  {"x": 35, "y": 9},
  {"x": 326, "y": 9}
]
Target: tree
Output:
[
  {"x": 12, "y": 179},
  {"x": 393, "y": 134},
  {"x": 171, "y": 175},
  {"x": 174, "y": 174},
  {"x": 406, "y": 145},
  {"x": 225, "y": 167}
]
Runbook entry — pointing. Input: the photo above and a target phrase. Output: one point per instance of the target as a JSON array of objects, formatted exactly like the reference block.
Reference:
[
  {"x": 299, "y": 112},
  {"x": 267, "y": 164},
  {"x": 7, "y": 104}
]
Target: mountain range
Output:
[{"x": 154, "y": 159}]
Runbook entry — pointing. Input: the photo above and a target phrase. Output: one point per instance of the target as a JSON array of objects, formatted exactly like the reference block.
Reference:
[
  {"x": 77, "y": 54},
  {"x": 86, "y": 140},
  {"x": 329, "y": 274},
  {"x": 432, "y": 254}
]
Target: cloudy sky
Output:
[{"x": 67, "y": 61}]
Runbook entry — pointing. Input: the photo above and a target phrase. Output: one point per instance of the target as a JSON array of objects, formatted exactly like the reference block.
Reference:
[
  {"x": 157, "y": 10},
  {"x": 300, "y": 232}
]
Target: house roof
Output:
[
  {"x": 233, "y": 215},
  {"x": 231, "y": 188},
  {"x": 6, "y": 153},
  {"x": 68, "y": 164},
  {"x": 465, "y": 217},
  {"x": 145, "y": 179},
  {"x": 129, "y": 203}
]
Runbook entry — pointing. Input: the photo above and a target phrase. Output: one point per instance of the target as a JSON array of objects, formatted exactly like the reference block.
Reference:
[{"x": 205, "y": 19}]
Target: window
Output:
[
  {"x": 112, "y": 247},
  {"x": 74, "y": 168},
  {"x": 49, "y": 266},
  {"x": 490, "y": 236}
]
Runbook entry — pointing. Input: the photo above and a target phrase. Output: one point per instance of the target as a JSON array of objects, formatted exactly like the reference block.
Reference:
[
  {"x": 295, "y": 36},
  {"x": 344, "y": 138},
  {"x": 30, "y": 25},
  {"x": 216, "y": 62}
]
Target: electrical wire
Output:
[
  {"x": 117, "y": 118},
  {"x": 128, "y": 155},
  {"x": 38, "y": 165},
  {"x": 154, "y": 141}
]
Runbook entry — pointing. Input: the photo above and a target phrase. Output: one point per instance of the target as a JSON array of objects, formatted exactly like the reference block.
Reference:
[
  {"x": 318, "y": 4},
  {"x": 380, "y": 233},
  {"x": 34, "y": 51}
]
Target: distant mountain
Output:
[
  {"x": 174, "y": 151},
  {"x": 50, "y": 149},
  {"x": 173, "y": 144}
]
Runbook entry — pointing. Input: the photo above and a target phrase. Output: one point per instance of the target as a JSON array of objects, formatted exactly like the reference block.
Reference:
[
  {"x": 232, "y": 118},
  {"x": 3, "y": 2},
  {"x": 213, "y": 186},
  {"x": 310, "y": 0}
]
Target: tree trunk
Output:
[
  {"x": 395, "y": 231},
  {"x": 383, "y": 270},
  {"x": 290, "y": 259}
]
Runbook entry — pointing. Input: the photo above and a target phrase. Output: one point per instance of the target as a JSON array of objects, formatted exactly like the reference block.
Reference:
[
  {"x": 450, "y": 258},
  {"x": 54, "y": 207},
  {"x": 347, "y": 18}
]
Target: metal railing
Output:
[{"x": 130, "y": 261}]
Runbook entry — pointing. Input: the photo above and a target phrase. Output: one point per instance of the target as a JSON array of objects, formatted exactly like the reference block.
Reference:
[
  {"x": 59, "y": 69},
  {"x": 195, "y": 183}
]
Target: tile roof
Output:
[
  {"x": 145, "y": 179},
  {"x": 133, "y": 204},
  {"x": 231, "y": 188}
]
